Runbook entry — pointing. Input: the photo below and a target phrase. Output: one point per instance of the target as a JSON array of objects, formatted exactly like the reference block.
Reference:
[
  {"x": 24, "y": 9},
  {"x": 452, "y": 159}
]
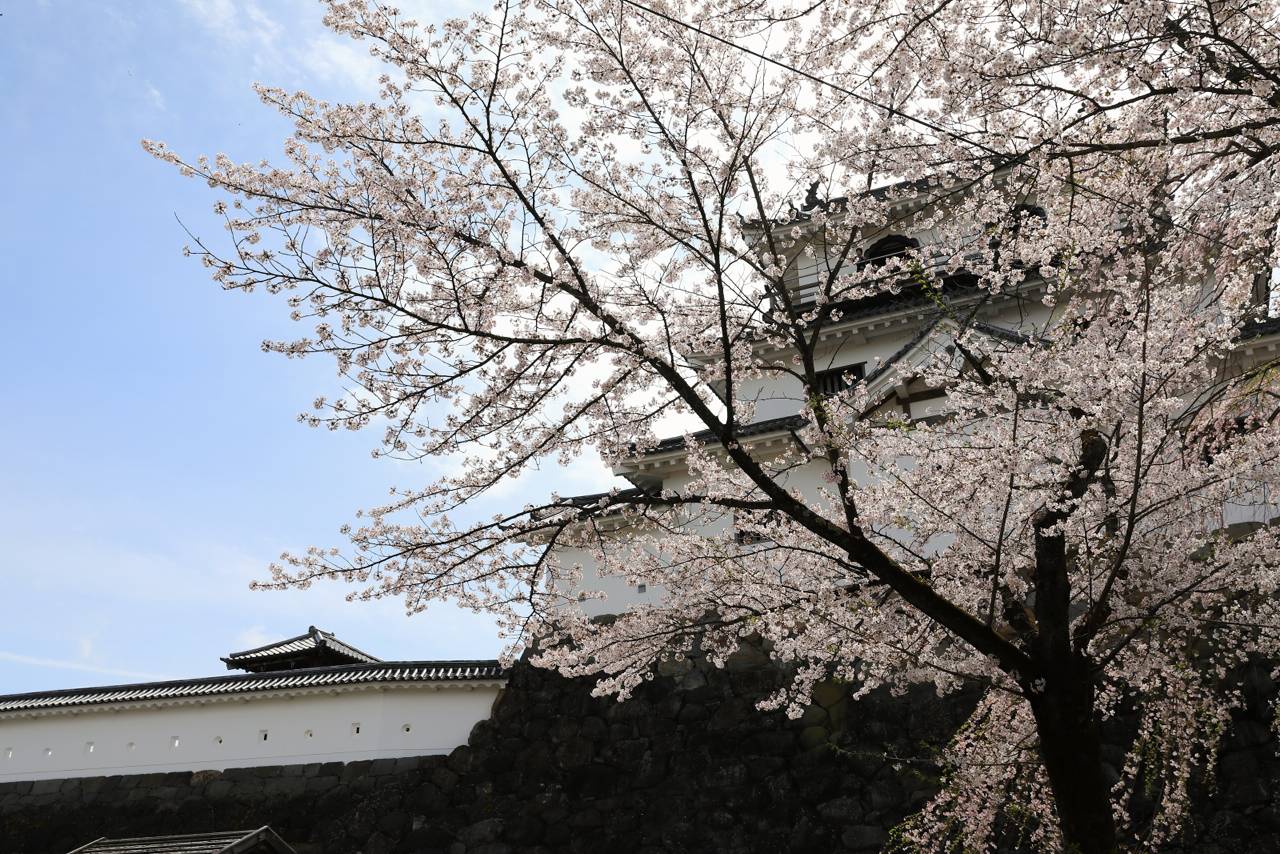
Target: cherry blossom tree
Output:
[{"x": 565, "y": 225}]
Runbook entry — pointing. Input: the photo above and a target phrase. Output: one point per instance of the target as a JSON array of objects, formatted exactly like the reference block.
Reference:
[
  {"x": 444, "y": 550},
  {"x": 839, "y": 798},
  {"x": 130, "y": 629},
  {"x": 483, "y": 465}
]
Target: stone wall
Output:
[{"x": 687, "y": 765}]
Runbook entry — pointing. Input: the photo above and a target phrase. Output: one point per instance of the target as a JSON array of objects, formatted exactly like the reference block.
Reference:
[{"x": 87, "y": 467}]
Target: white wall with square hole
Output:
[{"x": 368, "y": 722}]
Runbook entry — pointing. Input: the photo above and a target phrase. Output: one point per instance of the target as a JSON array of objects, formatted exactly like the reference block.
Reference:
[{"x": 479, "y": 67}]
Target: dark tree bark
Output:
[
  {"x": 1071, "y": 748},
  {"x": 1062, "y": 694}
]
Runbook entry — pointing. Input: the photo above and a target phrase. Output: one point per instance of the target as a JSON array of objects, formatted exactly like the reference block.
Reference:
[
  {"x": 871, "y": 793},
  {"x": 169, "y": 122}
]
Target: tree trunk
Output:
[
  {"x": 1063, "y": 699},
  {"x": 1071, "y": 748}
]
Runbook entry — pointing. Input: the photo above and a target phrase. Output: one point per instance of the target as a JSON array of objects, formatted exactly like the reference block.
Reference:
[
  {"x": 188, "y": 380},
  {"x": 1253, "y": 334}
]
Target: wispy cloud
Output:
[
  {"x": 303, "y": 51},
  {"x": 155, "y": 96},
  {"x": 253, "y": 637},
  {"x": 332, "y": 58},
  {"x": 64, "y": 664},
  {"x": 241, "y": 26}
]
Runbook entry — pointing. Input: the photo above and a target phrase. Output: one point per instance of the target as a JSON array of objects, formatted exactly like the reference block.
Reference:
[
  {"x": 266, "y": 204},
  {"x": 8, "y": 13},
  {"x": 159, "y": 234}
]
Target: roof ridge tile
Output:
[{"x": 249, "y": 683}]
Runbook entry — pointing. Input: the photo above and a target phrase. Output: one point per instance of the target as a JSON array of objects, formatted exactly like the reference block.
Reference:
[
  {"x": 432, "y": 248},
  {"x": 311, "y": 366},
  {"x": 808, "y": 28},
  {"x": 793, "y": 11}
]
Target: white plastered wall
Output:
[
  {"x": 216, "y": 733},
  {"x": 782, "y": 396},
  {"x": 619, "y": 593}
]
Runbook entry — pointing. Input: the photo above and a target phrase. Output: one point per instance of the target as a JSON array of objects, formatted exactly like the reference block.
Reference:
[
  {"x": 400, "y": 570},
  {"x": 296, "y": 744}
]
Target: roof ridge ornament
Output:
[{"x": 811, "y": 199}]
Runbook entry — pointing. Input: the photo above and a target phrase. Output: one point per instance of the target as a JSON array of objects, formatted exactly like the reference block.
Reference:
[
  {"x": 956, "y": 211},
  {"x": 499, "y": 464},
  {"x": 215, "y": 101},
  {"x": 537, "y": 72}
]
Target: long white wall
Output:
[{"x": 372, "y": 722}]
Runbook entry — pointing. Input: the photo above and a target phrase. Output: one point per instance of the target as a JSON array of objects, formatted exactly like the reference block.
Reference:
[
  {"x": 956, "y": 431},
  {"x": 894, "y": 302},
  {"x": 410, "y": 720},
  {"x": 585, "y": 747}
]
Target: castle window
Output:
[
  {"x": 263, "y": 733},
  {"x": 88, "y": 747},
  {"x": 407, "y": 728},
  {"x": 355, "y": 729},
  {"x": 642, "y": 588},
  {"x": 175, "y": 742},
  {"x": 893, "y": 246},
  {"x": 836, "y": 380}
]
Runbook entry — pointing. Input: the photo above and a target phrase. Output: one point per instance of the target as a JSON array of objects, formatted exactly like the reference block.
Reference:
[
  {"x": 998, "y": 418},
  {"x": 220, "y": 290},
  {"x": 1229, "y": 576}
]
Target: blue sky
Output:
[{"x": 150, "y": 460}]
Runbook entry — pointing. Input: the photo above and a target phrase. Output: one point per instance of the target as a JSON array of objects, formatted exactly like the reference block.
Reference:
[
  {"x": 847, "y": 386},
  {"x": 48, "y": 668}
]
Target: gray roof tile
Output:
[
  {"x": 314, "y": 644},
  {"x": 251, "y": 683},
  {"x": 757, "y": 428}
]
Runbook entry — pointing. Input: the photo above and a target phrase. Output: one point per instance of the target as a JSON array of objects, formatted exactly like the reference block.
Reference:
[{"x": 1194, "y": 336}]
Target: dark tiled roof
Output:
[
  {"x": 759, "y": 428},
  {"x": 251, "y": 683},
  {"x": 316, "y": 647},
  {"x": 260, "y": 841},
  {"x": 1013, "y": 336},
  {"x": 1259, "y": 328},
  {"x": 955, "y": 286},
  {"x": 594, "y": 498},
  {"x": 839, "y": 204}
]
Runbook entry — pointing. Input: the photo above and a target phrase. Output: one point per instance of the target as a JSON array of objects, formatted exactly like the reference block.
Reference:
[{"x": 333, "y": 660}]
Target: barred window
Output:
[{"x": 836, "y": 380}]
